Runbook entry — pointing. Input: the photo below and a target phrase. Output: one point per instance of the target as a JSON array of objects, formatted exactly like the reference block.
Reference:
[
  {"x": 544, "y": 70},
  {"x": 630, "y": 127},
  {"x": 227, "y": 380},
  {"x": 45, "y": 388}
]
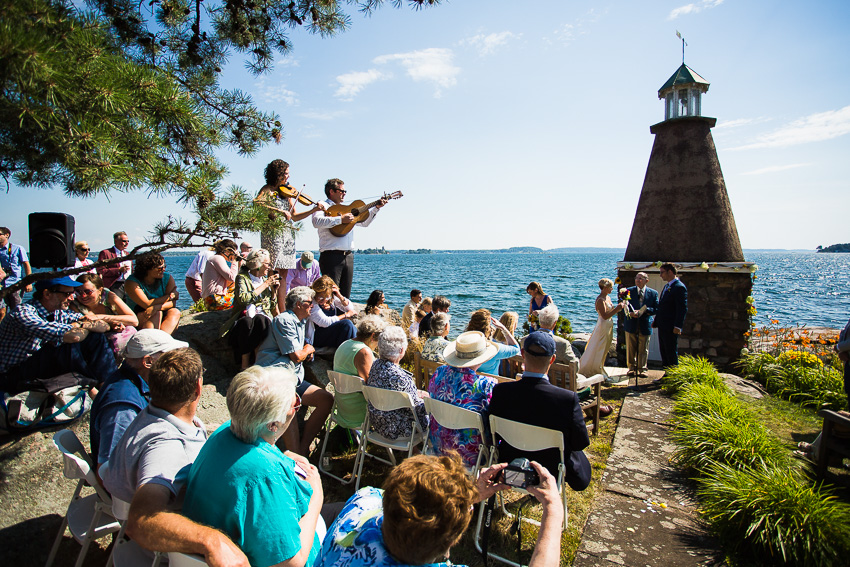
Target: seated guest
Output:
[
  {"x": 285, "y": 347},
  {"x": 457, "y": 383},
  {"x": 195, "y": 273},
  {"x": 564, "y": 354},
  {"x": 410, "y": 308},
  {"x": 482, "y": 321},
  {"x": 94, "y": 300},
  {"x": 305, "y": 272},
  {"x": 535, "y": 401},
  {"x": 254, "y": 306},
  {"x": 266, "y": 501},
  {"x": 433, "y": 347},
  {"x": 150, "y": 465},
  {"x": 152, "y": 294},
  {"x": 423, "y": 510},
  {"x": 81, "y": 250},
  {"x": 387, "y": 374},
  {"x": 42, "y": 338},
  {"x": 355, "y": 357},
  {"x": 125, "y": 393},
  {"x": 330, "y": 317},
  {"x": 440, "y": 304},
  {"x": 509, "y": 319},
  {"x": 413, "y": 331},
  {"x": 219, "y": 277},
  {"x": 375, "y": 303}
]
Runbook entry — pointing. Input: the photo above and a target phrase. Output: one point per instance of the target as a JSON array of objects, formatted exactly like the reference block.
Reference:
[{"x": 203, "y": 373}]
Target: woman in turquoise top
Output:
[
  {"x": 267, "y": 502},
  {"x": 152, "y": 294},
  {"x": 355, "y": 357},
  {"x": 482, "y": 321}
]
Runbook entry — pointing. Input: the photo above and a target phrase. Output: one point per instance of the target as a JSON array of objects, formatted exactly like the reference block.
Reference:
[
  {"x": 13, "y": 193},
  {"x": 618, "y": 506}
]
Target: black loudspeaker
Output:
[{"x": 51, "y": 240}]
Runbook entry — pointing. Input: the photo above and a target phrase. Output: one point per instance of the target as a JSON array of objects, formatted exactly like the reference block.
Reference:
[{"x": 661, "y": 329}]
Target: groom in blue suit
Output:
[
  {"x": 670, "y": 317},
  {"x": 637, "y": 324}
]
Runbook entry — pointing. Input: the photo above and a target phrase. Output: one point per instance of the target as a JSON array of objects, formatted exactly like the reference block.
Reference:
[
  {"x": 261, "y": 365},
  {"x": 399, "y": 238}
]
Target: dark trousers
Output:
[
  {"x": 668, "y": 343},
  {"x": 339, "y": 266},
  {"x": 334, "y": 335},
  {"x": 92, "y": 358},
  {"x": 248, "y": 333}
]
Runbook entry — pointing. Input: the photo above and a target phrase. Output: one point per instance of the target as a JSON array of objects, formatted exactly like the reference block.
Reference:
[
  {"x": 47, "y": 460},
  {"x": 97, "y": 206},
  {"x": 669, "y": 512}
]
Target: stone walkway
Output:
[{"x": 646, "y": 514}]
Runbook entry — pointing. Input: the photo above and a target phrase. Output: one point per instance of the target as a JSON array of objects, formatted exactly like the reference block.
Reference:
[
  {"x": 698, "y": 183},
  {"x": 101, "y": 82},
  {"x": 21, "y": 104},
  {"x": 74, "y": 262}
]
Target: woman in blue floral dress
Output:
[{"x": 458, "y": 384}]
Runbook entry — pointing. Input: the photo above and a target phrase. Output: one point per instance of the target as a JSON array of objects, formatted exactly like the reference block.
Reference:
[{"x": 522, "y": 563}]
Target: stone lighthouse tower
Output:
[{"x": 684, "y": 217}]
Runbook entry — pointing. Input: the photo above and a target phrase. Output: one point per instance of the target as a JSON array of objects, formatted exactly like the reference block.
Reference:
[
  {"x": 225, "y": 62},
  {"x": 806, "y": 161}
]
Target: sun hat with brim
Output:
[
  {"x": 470, "y": 349},
  {"x": 151, "y": 341},
  {"x": 53, "y": 282}
]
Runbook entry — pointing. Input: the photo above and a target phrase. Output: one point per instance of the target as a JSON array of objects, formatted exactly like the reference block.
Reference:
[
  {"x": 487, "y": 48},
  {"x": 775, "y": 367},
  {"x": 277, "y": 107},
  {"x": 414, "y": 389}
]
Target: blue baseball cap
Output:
[
  {"x": 53, "y": 282},
  {"x": 539, "y": 343}
]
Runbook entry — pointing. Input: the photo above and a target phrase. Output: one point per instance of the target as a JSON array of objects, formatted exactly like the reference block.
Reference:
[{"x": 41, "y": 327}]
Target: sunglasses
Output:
[
  {"x": 86, "y": 292},
  {"x": 343, "y": 191},
  {"x": 84, "y": 249}
]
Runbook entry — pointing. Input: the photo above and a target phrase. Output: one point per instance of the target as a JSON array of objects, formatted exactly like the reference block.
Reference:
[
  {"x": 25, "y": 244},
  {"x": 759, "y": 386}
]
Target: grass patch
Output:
[{"x": 691, "y": 370}]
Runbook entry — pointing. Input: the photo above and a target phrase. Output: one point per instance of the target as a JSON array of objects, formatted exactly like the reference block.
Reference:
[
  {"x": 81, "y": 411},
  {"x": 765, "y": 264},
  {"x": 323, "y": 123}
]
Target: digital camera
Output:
[{"x": 520, "y": 474}]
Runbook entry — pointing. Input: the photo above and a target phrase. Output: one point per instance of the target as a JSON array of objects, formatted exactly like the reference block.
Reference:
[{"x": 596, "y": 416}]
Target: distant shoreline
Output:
[{"x": 525, "y": 250}]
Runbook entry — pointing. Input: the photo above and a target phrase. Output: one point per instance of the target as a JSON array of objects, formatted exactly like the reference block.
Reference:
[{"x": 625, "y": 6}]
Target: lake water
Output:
[{"x": 795, "y": 288}]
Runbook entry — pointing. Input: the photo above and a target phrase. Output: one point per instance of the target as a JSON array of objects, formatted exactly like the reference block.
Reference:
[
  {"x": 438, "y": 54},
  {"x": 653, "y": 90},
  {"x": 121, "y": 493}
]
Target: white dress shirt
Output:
[{"x": 327, "y": 240}]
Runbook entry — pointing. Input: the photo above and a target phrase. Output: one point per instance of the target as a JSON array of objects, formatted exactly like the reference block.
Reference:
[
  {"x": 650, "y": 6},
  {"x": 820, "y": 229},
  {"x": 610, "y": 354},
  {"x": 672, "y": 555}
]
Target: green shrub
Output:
[
  {"x": 704, "y": 398},
  {"x": 689, "y": 370},
  {"x": 809, "y": 386},
  {"x": 758, "y": 366},
  {"x": 772, "y": 511},
  {"x": 733, "y": 438}
]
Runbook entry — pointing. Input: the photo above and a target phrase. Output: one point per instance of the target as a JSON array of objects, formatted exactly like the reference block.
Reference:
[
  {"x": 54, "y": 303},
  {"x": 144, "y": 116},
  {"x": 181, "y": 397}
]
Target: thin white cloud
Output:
[
  {"x": 350, "y": 84},
  {"x": 275, "y": 93},
  {"x": 738, "y": 122},
  {"x": 433, "y": 65},
  {"x": 322, "y": 116},
  {"x": 776, "y": 168},
  {"x": 487, "y": 44},
  {"x": 812, "y": 128},
  {"x": 569, "y": 32},
  {"x": 694, "y": 8}
]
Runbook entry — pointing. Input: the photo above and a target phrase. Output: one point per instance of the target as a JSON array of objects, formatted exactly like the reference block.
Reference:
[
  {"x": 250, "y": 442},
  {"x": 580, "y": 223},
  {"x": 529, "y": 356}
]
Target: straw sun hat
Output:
[{"x": 470, "y": 349}]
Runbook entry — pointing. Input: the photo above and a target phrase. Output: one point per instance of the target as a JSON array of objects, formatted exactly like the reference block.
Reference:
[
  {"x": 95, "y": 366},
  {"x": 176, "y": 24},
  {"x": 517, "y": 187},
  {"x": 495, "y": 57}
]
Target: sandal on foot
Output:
[{"x": 805, "y": 447}]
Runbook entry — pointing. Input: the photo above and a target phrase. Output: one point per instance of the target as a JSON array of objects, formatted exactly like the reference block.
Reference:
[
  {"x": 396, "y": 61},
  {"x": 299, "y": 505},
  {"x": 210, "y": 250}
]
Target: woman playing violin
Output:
[{"x": 281, "y": 246}]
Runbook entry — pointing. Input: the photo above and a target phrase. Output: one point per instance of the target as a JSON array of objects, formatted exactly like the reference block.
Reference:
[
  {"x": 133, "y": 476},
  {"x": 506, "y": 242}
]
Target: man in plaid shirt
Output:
[{"x": 42, "y": 339}]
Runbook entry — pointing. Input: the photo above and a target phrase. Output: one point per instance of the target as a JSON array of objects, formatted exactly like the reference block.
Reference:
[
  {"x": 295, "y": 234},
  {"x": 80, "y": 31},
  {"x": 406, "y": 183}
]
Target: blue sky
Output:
[{"x": 527, "y": 124}]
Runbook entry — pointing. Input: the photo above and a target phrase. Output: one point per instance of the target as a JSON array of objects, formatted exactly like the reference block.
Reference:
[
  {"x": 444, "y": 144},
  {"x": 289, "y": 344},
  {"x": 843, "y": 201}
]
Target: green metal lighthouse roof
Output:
[{"x": 684, "y": 75}]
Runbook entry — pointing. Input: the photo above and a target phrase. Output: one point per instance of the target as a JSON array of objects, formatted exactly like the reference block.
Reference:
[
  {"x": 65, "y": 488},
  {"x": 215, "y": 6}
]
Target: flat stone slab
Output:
[
  {"x": 639, "y": 465},
  {"x": 654, "y": 405},
  {"x": 626, "y": 531}
]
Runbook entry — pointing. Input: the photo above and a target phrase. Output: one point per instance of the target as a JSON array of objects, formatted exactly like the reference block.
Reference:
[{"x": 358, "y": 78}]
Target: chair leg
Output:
[
  {"x": 89, "y": 535},
  {"x": 57, "y": 541}
]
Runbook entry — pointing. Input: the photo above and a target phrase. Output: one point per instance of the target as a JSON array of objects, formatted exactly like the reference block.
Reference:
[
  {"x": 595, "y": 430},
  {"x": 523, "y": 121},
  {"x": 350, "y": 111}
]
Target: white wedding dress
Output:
[{"x": 593, "y": 360}]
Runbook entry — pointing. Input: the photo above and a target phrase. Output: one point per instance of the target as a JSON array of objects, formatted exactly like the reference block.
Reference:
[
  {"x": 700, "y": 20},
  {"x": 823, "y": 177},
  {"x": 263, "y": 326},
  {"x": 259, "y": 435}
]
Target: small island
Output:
[
  {"x": 380, "y": 250},
  {"x": 835, "y": 248}
]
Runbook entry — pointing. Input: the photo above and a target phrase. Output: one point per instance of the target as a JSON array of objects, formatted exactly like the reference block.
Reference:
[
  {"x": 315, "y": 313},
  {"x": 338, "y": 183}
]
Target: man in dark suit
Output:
[
  {"x": 670, "y": 317},
  {"x": 643, "y": 301},
  {"x": 535, "y": 401}
]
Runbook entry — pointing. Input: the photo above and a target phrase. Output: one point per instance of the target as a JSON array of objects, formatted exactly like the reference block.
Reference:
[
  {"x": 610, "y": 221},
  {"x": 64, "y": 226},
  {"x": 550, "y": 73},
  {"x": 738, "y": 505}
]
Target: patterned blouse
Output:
[
  {"x": 355, "y": 538},
  {"x": 433, "y": 349},
  {"x": 396, "y": 423},
  {"x": 461, "y": 387}
]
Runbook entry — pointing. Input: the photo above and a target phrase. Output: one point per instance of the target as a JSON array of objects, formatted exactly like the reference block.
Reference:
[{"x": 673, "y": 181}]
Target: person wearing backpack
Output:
[{"x": 42, "y": 339}]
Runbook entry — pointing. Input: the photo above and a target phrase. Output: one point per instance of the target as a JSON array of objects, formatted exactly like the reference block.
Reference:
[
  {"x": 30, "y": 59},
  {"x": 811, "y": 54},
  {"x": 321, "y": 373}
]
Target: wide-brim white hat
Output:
[{"x": 470, "y": 349}]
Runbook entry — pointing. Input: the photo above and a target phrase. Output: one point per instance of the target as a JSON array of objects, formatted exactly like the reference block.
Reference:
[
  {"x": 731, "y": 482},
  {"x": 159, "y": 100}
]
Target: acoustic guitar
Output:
[{"x": 359, "y": 209}]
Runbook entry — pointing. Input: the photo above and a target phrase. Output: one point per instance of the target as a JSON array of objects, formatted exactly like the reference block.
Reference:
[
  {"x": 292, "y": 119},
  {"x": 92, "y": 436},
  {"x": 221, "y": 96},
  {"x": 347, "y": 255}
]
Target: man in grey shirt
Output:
[{"x": 149, "y": 467}]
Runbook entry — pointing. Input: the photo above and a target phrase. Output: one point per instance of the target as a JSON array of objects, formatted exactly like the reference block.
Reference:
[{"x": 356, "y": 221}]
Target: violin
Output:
[{"x": 288, "y": 192}]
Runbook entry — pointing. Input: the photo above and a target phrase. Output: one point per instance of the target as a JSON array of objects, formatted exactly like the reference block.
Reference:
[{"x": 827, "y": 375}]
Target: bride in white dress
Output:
[{"x": 593, "y": 360}]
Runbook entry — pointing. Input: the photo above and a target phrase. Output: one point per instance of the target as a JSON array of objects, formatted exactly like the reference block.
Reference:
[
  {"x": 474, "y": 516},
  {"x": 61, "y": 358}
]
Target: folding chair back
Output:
[
  {"x": 344, "y": 415},
  {"x": 454, "y": 417},
  {"x": 89, "y": 517},
  {"x": 176, "y": 559},
  {"x": 526, "y": 437},
  {"x": 388, "y": 400}
]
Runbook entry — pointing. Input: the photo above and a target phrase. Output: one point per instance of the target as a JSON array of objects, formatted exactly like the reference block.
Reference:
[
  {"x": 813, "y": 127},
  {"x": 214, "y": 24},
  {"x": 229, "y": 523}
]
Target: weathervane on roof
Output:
[{"x": 683, "y": 44}]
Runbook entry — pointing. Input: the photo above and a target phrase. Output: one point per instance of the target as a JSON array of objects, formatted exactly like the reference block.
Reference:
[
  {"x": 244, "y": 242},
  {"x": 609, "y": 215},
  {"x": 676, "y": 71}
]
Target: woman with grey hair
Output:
[
  {"x": 254, "y": 306},
  {"x": 435, "y": 344},
  {"x": 268, "y": 502},
  {"x": 387, "y": 374}
]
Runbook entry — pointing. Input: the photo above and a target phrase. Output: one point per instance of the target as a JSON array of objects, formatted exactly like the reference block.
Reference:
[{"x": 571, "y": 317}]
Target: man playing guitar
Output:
[{"x": 336, "y": 258}]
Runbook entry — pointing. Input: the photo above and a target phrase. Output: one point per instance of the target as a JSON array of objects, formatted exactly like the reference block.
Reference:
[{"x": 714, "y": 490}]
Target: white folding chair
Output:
[
  {"x": 90, "y": 517},
  {"x": 176, "y": 559},
  {"x": 340, "y": 414},
  {"x": 388, "y": 400},
  {"x": 525, "y": 438},
  {"x": 126, "y": 552},
  {"x": 455, "y": 417}
]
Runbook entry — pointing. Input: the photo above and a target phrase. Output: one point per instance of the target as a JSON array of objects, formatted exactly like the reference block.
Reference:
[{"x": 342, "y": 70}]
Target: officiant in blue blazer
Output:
[
  {"x": 643, "y": 303},
  {"x": 670, "y": 317}
]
